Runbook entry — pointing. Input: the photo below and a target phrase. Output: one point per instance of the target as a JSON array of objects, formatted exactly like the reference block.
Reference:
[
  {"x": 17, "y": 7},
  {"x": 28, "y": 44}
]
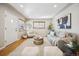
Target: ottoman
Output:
[
  {"x": 38, "y": 40},
  {"x": 30, "y": 51},
  {"x": 52, "y": 51}
]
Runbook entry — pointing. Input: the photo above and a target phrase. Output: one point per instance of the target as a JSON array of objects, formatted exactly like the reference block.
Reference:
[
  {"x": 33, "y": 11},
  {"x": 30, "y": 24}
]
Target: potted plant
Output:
[{"x": 50, "y": 27}]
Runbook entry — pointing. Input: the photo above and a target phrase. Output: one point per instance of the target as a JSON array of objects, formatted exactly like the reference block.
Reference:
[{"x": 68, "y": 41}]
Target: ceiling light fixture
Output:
[
  {"x": 55, "y": 6},
  {"x": 11, "y": 20},
  {"x": 21, "y": 6}
]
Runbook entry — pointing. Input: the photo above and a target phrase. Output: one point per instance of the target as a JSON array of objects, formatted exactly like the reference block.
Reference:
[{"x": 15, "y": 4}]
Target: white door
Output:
[{"x": 10, "y": 28}]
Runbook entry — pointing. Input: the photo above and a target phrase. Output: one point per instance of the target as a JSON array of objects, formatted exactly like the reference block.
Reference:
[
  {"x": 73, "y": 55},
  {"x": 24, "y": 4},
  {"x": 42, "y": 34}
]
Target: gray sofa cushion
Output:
[{"x": 64, "y": 48}]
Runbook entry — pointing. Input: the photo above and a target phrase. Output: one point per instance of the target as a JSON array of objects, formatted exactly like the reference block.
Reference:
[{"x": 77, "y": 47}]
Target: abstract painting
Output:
[{"x": 65, "y": 22}]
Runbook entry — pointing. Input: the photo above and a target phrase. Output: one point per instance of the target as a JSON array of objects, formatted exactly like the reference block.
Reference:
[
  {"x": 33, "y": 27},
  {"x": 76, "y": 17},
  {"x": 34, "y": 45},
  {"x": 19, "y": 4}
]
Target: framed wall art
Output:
[{"x": 65, "y": 22}]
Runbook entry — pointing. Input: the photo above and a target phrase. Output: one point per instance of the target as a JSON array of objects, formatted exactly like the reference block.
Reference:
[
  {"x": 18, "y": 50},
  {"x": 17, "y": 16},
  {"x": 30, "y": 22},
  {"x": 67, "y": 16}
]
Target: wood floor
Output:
[{"x": 8, "y": 49}]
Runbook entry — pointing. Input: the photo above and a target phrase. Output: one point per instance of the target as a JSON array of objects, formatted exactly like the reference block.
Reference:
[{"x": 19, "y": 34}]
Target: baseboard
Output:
[{"x": 2, "y": 47}]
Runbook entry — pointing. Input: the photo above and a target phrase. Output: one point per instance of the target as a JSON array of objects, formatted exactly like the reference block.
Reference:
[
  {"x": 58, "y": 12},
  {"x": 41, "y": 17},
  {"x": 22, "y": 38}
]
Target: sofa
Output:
[
  {"x": 62, "y": 45},
  {"x": 55, "y": 36},
  {"x": 56, "y": 39},
  {"x": 31, "y": 34}
]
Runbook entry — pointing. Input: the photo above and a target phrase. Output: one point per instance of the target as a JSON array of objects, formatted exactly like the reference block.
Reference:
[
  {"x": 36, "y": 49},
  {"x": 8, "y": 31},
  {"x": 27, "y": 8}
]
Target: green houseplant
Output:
[{"x": 50, "y": 27}]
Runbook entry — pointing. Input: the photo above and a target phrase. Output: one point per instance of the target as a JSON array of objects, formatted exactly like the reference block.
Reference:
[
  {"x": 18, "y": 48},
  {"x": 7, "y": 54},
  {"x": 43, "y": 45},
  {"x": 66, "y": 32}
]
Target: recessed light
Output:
[
  {"x": 55, "y": 6},
  {"x": 11, "y": 20},
  {"x": 21, "y": 6}
]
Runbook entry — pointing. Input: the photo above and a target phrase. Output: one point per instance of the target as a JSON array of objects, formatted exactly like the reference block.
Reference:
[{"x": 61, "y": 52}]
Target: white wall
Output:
[
  {"x": 74, "y": 10},
  {"x": 1, "y": 28},
  {"x": 42, "y": 32},
  {"x": 8, "y": 13}
]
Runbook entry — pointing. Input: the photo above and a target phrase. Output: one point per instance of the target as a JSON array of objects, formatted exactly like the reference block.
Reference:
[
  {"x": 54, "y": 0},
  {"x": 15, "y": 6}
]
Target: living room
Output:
[{"x": 41, "y": 26}]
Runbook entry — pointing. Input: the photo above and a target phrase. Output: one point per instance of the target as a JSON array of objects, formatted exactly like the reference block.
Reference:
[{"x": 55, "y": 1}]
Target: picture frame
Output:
[{"x": 65, "y": 22}]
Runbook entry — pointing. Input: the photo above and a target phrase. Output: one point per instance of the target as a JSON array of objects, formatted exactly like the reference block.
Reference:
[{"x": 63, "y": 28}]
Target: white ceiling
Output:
[{"x": 39, "y": 10}]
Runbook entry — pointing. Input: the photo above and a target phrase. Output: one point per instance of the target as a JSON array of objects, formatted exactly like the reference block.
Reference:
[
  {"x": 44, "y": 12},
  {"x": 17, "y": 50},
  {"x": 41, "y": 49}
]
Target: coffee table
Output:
[{"x": 38, "y": 40}]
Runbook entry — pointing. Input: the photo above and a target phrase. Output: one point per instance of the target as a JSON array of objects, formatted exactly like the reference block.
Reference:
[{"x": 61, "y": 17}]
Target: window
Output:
[{"x": 39, "y": 24}]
